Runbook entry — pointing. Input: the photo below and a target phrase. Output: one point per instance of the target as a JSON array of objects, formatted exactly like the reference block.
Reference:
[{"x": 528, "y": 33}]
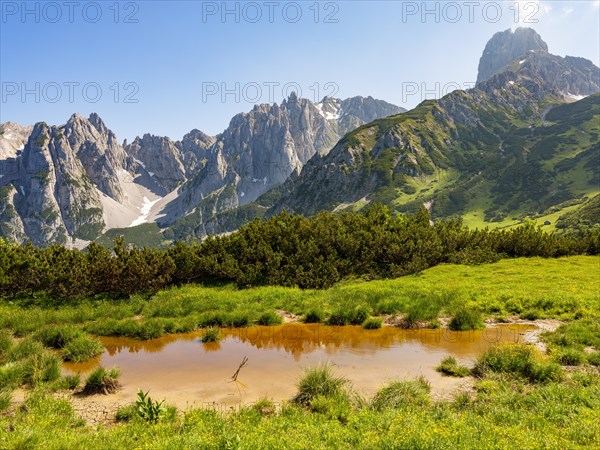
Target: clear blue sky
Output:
[{"x": 173, "y": 49}]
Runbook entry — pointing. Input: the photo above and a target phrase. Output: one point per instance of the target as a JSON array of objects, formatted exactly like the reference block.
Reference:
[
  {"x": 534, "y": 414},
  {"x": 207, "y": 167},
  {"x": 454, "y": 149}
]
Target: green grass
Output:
[
  {"x": 501, "y": 414},
  {"x": 518, "y": 360},
  {"x": 319, "y": 381},
  {"x": 43, "y": 367},
  {"x": 563, "y": 288},
  {"x": 450, "y": 366},
  {"x": 269, "y": 318},
  {"x": 5, "y": 399},
  {"x": 402, "y": 393},
  {"x": 82, "y": 348},
  {"x": 372, "y": 323},
  {"x": 466, "y": 319}
]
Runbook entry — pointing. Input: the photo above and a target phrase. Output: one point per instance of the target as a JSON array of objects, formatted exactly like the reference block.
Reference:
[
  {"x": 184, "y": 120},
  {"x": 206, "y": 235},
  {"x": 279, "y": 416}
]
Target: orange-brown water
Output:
[{"x": 186, "y": 372}]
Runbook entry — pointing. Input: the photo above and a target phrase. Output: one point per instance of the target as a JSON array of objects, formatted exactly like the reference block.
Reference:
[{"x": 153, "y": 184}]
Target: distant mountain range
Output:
[
  {"x": 71, "y": 183},
  {"x": 524, "y": 143}
]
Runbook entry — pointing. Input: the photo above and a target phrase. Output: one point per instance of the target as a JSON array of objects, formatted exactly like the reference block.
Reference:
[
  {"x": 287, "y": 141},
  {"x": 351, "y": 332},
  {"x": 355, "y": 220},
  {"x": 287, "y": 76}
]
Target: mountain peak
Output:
[{"x": 506, "y": 46}]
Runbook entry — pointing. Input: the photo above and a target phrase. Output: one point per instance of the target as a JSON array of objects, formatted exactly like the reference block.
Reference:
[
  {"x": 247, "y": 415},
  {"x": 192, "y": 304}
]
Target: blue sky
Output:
[{"x": 160, "y": 67}]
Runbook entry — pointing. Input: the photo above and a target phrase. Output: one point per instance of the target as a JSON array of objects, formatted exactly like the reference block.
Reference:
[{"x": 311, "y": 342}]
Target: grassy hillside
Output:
[{"x": 563, "y": 288}]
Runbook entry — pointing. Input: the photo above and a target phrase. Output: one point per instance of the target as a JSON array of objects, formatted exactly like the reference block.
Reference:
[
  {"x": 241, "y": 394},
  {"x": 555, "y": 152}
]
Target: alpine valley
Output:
[{"x": 523, "y": 144}]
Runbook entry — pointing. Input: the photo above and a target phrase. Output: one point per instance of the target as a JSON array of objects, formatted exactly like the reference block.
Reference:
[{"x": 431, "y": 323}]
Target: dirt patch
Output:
[{"x": 288, "y": 317}]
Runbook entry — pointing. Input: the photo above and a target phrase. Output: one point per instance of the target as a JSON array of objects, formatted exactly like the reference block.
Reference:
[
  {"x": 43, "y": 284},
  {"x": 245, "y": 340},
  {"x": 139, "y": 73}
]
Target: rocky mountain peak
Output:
[{"x": 506, "y": 46}]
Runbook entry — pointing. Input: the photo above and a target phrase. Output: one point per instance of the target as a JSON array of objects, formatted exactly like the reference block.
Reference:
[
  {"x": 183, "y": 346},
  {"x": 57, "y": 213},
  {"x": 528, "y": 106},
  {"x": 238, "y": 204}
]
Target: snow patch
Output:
[
  {"x": 576, "y": 97},
  {"x": 522, "y": 61},
  {"x": 511, "y": 82},
  {"x": 144, "y": 212},
  {"x": 22, "y": 190},
  {"x": 140, "y": 163},
  {"x": 265, "y": 181},
  {"x": 151, "y": 174},
  {"x": 242, "y": 194}
]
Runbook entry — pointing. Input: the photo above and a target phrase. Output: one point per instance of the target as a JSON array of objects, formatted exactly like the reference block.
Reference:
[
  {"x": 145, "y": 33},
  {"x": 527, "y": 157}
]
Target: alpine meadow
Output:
[{"x": 331, "y": 270}]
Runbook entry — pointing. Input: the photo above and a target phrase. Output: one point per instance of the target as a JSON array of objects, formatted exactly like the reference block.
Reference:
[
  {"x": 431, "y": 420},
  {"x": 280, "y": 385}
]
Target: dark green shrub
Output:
[
  {"x": 335, "y": 407},
  {"x": 264, "y": 406},
  {"x": 531, "y": 314},
  {"x": 238, "y": 319},
  {"x": 126, "y": 413},
  {"x": 212, "y": 319}
]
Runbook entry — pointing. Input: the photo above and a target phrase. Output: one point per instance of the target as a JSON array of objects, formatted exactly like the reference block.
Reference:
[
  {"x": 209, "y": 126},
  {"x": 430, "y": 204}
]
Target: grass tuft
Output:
[
  {"x": 372, "y": 323},
  {"x": 520, "y": 360},
  {"x": 466, "y": 319},
  {"x": 314, "y": 316},
  {"x": 451, "y": 367},
  {"x": 102, "y": 381},
  {"x": 82, "y": 348},
  {"x": 269, "y": 318},
  {"x": 211, "y": 335},
  {"x": 399, "y": 393},
  {"x": 319, "y": 381}
]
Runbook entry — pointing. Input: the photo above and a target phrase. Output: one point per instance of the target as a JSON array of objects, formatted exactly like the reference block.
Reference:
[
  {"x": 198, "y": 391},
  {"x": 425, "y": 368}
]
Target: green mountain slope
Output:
[{"x": 466, "y": 155}]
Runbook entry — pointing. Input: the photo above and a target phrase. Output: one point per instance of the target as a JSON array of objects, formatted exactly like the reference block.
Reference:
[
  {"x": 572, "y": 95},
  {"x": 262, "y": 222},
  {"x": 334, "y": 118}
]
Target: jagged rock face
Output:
[
  {"x": 100, "y": 153},
  {"x": 160, "y": 157},
  {"x": 170, "y": 163},
  {"x": 262, "y": 148},
  {"x": 13, "y": 139},
  {"x": 505, "y": 47},
  {"x": 51, "y": 190},
  {"x": 35, "y": 201},
  {"x": 357, "y": 111},
  {"x": 195, "y": 148}
]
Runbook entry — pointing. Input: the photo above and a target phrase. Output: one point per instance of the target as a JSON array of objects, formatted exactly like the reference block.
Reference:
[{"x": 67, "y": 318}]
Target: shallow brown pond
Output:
[{"x": 185, "y": 371}]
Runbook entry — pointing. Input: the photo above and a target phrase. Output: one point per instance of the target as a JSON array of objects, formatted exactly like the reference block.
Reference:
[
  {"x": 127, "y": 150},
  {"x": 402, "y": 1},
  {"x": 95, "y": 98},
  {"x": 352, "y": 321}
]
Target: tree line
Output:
[{"x": 285, "y": 250}]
